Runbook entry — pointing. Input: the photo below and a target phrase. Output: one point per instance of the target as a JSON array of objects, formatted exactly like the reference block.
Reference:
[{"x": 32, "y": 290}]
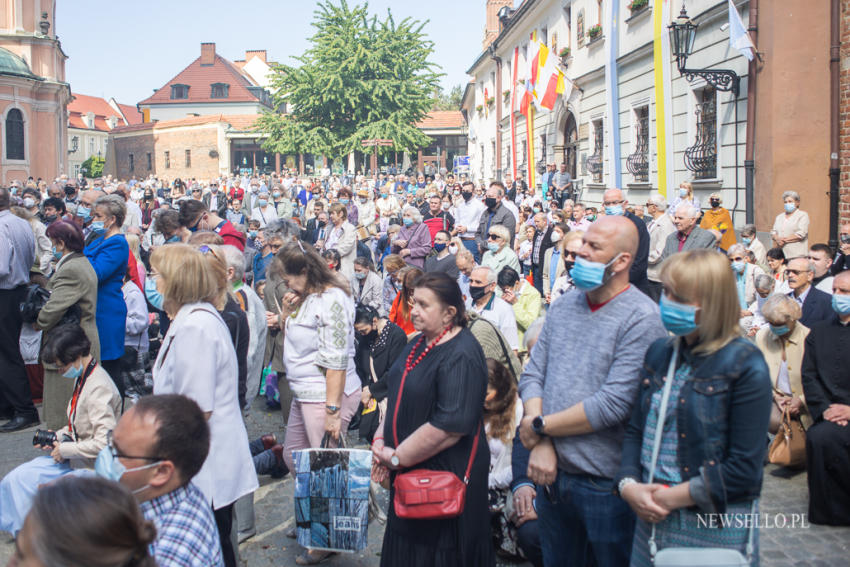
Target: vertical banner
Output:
[
  {"x": 612, "y": 94},
  {"x": 514, "y": 89},
  {"x": 530, "y": 137},
  {"x": 663, "y": 98}
]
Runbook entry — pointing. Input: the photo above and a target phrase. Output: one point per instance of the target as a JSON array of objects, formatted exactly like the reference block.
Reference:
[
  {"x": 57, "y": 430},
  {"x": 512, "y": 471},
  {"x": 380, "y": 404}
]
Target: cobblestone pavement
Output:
[{"x": 784, "y": 499}]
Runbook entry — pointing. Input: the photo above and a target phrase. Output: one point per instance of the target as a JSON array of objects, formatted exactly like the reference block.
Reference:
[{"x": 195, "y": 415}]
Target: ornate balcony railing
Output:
[
  {"x": 638, "y": 162},
  {"x": 701, "y": 158}
]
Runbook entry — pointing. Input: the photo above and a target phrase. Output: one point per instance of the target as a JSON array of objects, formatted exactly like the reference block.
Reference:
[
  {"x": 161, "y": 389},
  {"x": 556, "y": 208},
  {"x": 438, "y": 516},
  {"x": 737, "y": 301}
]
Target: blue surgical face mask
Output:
[
  {"x": 252, "y": 233},
  {"x": 746, "y": 240},
  {"x": 536, "y": 210},
  {"x": 73, "y": 372},
  {"x": 683, "y": 192},
  {"x": 172, "y": 238},
  {"x": 492, "y": 247},
  {"x": 780, "y": 331},
  {"x": 343, "y": 201},
  {"x": 276, "y": 194},
  {"x": 739, "y": 267},
  {"x": 790, "y": 207},
  {"x": 383, "y": 195},
  {"x": 108, "y": 466},
  {"x": 841, "y": 304},
  {"x": 407, "y": 221},
  {"x": 588, "y": 275},
  {"x": 97, "y": 227},
  {"x": 56, "y": 253},
  {"x": 439, "y": 246},
  {"x": 616, "y": 210},
  {"x": 153, "y": 295},
  {"x": 84, "y": 213},
  {"x": 678, "y": 318},
  {"x": 360, "y": 275},
  {"x": 262, "y": 202}
]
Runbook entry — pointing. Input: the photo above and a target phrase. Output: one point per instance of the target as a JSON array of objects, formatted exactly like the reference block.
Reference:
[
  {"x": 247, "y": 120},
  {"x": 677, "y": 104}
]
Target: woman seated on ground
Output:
[
  {"x": 752, "y": 319},
  {"x": 92, "y": 412},
  {"x": 366, "y": 285},
  {"x": 333, "y": 259},
  {"x": 782, "y": 342},
  {"x": 106, "y": 527}
]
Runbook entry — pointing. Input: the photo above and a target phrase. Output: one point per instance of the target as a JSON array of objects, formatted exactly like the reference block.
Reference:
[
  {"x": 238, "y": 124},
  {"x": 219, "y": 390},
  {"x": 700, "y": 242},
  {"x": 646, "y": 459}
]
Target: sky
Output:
[{"x": 127, "y": 48}]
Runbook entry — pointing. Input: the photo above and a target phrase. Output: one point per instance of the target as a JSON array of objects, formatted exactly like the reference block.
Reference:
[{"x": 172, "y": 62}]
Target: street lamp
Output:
[
  {"x": 75, "y": 145},
  {"x": 683, "y": 33}
]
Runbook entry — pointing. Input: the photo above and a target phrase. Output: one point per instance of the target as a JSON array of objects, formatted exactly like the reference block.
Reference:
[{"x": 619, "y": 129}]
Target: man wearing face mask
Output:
[
  {"x": 83, "y": 214},
  {"x": 214, "y": 200},
  {"x": 576, "y": 408},
  {"x": 443, "y": 258},
  {"x": 72, "y": 196},
  {"x": 482, "y": 289},
  {"x": 615, "y": 204},
  {"x": 495, "y": 214},
  {"x": 194, "y": 216},
  {"x": 542, "y": 242},
  {"x": 156, "y": 449},
  {"x": 467, "y": 217},
  {"x": 688, "y": 235}
]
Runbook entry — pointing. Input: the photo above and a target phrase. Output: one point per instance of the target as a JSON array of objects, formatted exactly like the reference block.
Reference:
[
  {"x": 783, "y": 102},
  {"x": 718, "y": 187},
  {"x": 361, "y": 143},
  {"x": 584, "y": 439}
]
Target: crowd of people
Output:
[{"x": 599, "y": 375}]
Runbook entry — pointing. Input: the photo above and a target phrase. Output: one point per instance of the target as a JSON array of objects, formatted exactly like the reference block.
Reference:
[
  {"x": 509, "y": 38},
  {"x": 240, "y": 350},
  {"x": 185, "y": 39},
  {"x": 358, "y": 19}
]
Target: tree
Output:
[
  {"x": 361, "y": 78},
  {"x": 93, "y": 167},
  {"x": 450, "y": 101}
]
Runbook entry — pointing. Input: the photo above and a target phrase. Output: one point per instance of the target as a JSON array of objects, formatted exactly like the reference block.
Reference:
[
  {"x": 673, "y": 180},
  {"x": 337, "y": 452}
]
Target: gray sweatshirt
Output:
[{"x": 592, "y": 357}]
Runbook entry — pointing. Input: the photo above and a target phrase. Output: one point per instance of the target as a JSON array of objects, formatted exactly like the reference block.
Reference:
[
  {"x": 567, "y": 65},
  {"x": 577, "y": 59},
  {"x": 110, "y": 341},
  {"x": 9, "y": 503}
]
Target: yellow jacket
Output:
[{"x": 719, "y": 219}]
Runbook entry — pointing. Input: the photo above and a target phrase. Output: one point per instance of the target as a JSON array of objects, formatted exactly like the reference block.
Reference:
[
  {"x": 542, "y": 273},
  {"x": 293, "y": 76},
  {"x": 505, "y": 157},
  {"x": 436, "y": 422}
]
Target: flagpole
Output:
[
  {"x": 530, "y": 136},
  {"x": 660, "y": 97},
  {"x": 513, "y": 113},
  {"x": 613, "y": 95}
]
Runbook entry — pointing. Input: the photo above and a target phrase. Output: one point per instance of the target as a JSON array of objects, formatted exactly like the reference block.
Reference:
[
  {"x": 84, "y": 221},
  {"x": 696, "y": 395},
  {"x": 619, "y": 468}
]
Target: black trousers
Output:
[
  {"x": 828, "y": 467},
  {"x": 114, "y": 368},
  {"x": 15, "y": 396},
  {"x": 224, "y": 523},
  {"x": 537, "y": 274}
]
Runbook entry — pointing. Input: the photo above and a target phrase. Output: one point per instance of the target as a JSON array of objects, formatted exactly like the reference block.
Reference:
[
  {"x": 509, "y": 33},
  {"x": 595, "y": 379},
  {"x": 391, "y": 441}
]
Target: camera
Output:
[{"x": 44, "y": 438}]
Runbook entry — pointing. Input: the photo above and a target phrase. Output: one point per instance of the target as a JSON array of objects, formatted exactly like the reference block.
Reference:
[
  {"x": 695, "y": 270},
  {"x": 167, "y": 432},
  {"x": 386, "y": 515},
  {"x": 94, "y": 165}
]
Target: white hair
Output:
[
  {"x": 658, "y": 200},
  {"x": 688, "y": 209},
  {"x": 736, "y": 248},
  {"x": 491, "y": 273},
  {"x": 235, "y": 259},
  {"x": 414, "y": 212},
  {"x": 793, "y": 194}
]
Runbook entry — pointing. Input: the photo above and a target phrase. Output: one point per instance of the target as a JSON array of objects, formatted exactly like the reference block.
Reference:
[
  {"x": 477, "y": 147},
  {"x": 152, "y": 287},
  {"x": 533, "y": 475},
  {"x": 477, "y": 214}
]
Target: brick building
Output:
[{"x": 844, "y": 114}]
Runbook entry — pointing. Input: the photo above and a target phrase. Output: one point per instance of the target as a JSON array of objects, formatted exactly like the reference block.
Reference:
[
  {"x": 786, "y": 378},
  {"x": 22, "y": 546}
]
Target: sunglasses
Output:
[
  {"x": 795, "y": 272},
  {"x": 493, "y": 237}
]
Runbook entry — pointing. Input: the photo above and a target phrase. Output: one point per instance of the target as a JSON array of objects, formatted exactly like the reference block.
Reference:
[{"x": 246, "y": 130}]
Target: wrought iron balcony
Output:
[
  {"x": 638, "y": 162},
  {"x": 701, "y": 158}
]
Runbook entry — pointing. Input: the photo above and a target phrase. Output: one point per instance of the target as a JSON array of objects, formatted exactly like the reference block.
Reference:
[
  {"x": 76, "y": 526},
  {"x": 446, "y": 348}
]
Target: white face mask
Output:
[{"x": 556, "y": 236}]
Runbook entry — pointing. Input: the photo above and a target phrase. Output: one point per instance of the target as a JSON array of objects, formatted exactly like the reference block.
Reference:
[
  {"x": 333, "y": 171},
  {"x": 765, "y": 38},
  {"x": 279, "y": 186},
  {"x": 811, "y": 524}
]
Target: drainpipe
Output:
[
  {"x": 491, "y": 49},
  {"x": 749, "y": 162},
  {"x": 834, "y": 133}
]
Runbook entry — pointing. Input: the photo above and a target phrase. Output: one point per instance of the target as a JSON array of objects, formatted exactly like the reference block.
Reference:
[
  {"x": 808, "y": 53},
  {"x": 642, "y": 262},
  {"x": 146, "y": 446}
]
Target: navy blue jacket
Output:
[
  {"x": 722, "y": 416},
  {"x": 816, "y": 308}
]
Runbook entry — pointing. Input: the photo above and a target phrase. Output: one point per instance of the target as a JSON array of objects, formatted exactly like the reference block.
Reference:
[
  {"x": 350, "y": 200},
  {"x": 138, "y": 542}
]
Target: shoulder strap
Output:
[
  {"x": 662, "y": 410},
  {"x": 372, "y": 368}
]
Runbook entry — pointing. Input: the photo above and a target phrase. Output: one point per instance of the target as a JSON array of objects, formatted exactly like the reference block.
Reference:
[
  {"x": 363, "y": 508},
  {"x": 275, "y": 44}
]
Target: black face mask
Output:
[
  {"x": 322, "y": 223},
  {"x": 370, "y": 336},
  {"x": 70, "y": 191},
  {"x": 477, "y": 291},
  {"x": 490, "y": 202},
  {"x": 49, "y": 219},
  {"x": 568, "y": 264},
  {"x": 467, "y": 195},
  {"x": 714, "y": 203}
]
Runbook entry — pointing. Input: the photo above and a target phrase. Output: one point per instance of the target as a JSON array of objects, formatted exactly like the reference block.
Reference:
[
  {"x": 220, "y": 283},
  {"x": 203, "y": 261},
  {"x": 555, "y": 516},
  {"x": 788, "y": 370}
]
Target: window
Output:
[
  {"x": 76, "y": 169},
  {"x": 542, "y": 160},
  {"x": 179, "y": 91},
  {"x": 594, "y": 162},
  {"x": 15, "y": 135},
  {"x": 638, "y": 162},
  {"x": 188, "y": 158},
  {"x": 150, "y": 161},
  {"x": 580, "y": 28},
  {"x": 132, "y": 163},
  {"x": 167, "y": 159},
  {"x": 701, "y": 158},
  {"x": 219, "y": 90},
  {"x": 91, "y": 146}
]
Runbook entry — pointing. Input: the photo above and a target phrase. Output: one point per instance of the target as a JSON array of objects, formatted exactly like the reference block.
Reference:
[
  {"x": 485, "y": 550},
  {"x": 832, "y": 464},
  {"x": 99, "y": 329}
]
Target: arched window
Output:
[{"x": 15, "y": 135}]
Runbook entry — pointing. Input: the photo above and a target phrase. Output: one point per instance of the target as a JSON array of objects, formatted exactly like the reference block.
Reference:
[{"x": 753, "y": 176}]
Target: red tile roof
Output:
[
  {"x": 131, "y": 113},
  {"x": 199, "y": 78},
  {"x": 83, "y": 104},
  {"x": 240, "y": 122},
  {"x": 441, "y": 119}
]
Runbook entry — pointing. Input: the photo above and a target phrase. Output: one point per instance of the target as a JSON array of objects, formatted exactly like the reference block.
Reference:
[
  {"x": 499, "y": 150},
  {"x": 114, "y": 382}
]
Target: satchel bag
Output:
[
  {"x": 690, "y": 556},
  {"x": 423, "y": 494},
  {"x": 788, "y": 448}
]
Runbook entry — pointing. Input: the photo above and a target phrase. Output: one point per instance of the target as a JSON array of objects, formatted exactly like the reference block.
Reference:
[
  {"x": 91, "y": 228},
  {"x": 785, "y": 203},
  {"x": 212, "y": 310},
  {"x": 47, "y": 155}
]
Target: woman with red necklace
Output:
[{"x": 433, "y": 423}]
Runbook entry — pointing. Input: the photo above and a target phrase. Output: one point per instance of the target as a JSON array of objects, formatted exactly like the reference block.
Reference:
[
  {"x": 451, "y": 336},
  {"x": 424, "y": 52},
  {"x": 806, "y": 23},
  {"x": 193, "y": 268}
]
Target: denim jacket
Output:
[{"x": 722, "y": 417}]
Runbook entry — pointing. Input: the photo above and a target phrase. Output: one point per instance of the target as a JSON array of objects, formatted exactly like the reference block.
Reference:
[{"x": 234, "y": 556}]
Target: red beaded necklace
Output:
[{"x": 409, "y": 365}]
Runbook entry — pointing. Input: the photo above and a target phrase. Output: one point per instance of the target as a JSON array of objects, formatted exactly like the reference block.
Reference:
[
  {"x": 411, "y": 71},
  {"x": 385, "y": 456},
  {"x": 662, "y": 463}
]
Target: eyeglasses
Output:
[
  {"x": 116, "y": 453},
  {"x": 612, "y": 203},
  {"x": 795, "y": 272},
  {"x": 737, "y": 259},
  {"x": 493, "y": 237},
  {"x": 572, "y": 255}
]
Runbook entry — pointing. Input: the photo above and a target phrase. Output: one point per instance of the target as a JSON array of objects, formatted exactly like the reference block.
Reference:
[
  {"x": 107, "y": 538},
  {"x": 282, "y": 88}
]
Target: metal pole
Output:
[
  {"x": 835, "y": 116},
  {"x": 749, "y": 161}
]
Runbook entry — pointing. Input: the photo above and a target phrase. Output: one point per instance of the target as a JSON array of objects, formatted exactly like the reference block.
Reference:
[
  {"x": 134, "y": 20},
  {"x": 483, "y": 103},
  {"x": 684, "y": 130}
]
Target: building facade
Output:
[
  {"x": 90, "y": 119},
  {"x": 631, "y": 120},
  {"x": 33, "y": 92}
]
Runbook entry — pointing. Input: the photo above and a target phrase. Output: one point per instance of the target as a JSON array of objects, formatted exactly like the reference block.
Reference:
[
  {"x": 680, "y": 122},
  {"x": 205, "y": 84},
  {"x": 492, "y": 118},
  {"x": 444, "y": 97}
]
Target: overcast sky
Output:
[{"x": 128, "y": 48}]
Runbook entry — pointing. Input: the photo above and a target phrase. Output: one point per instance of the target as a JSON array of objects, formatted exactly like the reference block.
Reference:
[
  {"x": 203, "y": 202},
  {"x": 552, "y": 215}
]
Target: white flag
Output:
[{"x": 738, "y": 36}]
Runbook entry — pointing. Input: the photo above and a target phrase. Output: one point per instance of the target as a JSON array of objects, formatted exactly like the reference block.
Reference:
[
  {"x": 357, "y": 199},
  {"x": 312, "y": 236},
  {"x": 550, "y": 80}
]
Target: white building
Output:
[
  {"x": 90, "y": 119},
  {"x": 607, "y": 128}
]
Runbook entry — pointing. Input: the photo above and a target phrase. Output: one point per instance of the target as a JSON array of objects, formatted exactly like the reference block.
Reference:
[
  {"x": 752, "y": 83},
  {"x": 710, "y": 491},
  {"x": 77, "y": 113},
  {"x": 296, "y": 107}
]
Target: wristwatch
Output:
[
  {"x": 394, "y": 460},
  {"x": 537, "y": 425},
  {"x": 624, "y": 483},
  {"x": 332, "y": 409}
]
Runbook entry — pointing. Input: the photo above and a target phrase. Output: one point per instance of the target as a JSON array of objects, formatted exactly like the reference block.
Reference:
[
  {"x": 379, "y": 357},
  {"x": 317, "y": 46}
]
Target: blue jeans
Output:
[
  {"x": 472, "y": 246},
  {"x": 582, "y": 522}
]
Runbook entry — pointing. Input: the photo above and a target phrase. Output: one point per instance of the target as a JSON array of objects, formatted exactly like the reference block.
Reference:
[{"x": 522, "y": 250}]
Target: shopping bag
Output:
[{"x": 332, "y": 498}]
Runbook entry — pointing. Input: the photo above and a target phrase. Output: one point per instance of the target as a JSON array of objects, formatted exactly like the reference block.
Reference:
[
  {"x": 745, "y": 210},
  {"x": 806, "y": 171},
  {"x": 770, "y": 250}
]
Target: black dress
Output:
[{"x": 446, "y": 389}]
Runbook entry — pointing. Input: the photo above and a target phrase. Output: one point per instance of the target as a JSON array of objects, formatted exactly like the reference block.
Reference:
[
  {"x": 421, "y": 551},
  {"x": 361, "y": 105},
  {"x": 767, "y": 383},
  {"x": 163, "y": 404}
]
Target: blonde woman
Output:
[
  {"x": 553, "y": 265},
  {"x": 191, "y": 286},
  {"x": 714, "y": 427},
  {"x": 685, "y": 194}
]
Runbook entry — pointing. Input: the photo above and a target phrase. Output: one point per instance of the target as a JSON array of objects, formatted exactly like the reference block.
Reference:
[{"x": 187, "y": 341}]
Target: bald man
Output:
[
  {"x": 578, "y": 390},
  {"x": 615, "y": 203}
]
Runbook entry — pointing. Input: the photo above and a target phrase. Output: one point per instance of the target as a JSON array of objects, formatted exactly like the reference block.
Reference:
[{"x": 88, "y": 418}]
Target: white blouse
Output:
[
  {"x": 320, "y": 335},
  {"x": 197, "y": 359}
]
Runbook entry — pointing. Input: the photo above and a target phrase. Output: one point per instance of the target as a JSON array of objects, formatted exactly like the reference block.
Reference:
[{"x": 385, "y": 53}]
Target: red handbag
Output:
[{"x": 423, "y": 494}]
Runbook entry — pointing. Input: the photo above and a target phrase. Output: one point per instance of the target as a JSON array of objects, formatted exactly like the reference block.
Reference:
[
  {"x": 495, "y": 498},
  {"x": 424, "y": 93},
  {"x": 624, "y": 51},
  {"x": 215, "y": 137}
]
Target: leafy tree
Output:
[
  {"x": 361, "y": 78},
  {"x": 93, "y": 167},
  {"x": 447, "y": 101}
]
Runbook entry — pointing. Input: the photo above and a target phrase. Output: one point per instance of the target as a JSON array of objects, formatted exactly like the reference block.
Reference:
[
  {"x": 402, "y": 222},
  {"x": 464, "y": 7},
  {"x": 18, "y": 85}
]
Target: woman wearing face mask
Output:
[
  {"x": 553, "y": 266},
  {"x": 264, "y": 211},
  {"x": 524, "y": 245},
  {"x": 379, "y": 343},
  {"x": 400, "y": 310},
  {"x": 344, "y": 196},
  {"x": 710, "y": 391},
  {"x": 92, "y": 412},
  {"x": 684, "y": 195},
  {"x": 719, "y": 219},
  {"x": 745, "y": 274},
  {"x": 791, "y": 228},
  {"x": 782, "y": 342},
  {"x": 366, "y": 212},
  {"x": 108, "y": 254},
  {"x": 391, "y": 286},
  {"x": 149, "y": 205},
  {"x": 499, "y": 253},
  {"x": 366, "y": 285},
  {"x": 442, "y": 259},
  {"x": 414, "y": 239}
]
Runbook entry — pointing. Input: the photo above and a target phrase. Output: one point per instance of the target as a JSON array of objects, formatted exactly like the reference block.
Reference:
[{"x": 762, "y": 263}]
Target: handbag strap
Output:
[
  {"x": 656, "y": 448},
  {"x": 372, "y": 369}
]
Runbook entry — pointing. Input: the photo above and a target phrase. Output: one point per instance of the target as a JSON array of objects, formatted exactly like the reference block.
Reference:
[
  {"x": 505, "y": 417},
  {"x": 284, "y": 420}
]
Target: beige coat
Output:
[
  {"x": 771, "y": 347},
  {"x": 547, "y": 268},
  {"x": 98, "y": 409}
]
